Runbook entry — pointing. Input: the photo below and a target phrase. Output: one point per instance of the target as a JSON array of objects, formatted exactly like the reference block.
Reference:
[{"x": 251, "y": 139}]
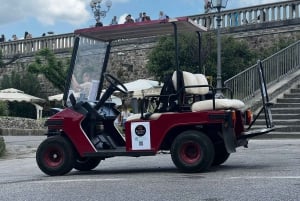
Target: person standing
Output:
[
  {"x": 140, "y": 18},
  {"x": 162, "y": 16},
  {"x": 129, "y": 19},
  {"x": 14, "y": 37},
  {"x": 2, "y": 39},
  {"x": 114, "y": 21},
  {"x": 207, "y": 5},
  {"x": 124, "y": 115},
  {"x": 145, "y": 18}
]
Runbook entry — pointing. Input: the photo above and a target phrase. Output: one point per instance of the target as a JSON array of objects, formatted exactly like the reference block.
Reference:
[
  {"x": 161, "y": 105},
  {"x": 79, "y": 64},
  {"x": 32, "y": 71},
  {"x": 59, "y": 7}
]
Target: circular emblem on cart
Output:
[{"x": 140, "y": 130}]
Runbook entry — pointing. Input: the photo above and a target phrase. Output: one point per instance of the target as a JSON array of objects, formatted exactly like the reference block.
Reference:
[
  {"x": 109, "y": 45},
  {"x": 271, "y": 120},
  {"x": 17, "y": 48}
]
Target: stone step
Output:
[
  {"x": 288, "y": 100},
  {"x": 295, "y": 90},
  {"x": 281, "y": 128},
  {"x": 291, "y": 95},
  {"x": 283, "y": 122},
  {"x": 282, "y": 116},
  {"x": 286, "y": 105},
  {"x": 295, "y": 110}
]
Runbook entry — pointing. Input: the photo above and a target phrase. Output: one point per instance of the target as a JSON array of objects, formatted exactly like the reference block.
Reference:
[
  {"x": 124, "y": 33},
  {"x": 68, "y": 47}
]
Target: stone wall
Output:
[
  {"x": 128, "y": 59},
  {"x": 21, "y": 126},
  {"x": 265, "y": 35},
  {"x": 21, "y": 65}
]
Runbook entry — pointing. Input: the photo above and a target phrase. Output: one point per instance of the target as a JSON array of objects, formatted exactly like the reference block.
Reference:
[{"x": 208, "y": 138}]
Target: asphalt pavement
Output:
[{"x": 21, "y": 146}]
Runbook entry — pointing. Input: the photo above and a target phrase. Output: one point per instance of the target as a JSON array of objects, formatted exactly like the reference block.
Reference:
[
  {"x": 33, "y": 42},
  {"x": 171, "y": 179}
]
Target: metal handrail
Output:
[{"x": 246, "y": 84}]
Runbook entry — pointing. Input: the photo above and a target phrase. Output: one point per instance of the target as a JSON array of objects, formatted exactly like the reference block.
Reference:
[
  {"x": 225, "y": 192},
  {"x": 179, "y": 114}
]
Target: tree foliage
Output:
[
  {"x": 3, "y": 108},
  {"x": 277, "y": 46},
  {"x": 162, "y": 58},
  {"x": 236, "y": 56},
  {"x": 55, "y": 70},
  {"x": 26, "y": 82}
]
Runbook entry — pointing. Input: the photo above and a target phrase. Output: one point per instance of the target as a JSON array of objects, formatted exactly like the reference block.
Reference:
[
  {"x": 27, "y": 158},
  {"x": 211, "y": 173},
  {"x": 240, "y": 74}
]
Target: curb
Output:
[{"x": 22, "y": 132}]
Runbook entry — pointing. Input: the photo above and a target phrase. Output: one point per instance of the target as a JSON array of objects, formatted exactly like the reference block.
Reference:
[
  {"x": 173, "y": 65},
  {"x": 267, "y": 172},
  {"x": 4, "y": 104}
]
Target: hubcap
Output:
[
  {"x": 190, "y": 152},
  {"x": 53, "y": 157}
]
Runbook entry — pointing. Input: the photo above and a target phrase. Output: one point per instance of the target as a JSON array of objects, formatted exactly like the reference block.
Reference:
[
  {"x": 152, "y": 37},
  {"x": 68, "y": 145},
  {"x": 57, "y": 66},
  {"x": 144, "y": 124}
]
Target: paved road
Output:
[
  {"x": 268, "y": 170},
  {"x": 21, "y": 146}
]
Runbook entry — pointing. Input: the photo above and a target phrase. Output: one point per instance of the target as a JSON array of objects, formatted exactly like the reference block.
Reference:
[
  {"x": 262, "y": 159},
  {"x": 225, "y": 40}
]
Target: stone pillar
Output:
[{"x": 2, "y": 146}]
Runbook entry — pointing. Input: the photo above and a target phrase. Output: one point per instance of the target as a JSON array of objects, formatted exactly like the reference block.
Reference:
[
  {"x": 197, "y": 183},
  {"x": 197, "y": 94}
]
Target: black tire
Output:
[
  {"x": 86, "y": 164},
  {"x": 192, "y": 151},
  {"x": 221, "y": 154},
  {"x": 55, "y": 156}
]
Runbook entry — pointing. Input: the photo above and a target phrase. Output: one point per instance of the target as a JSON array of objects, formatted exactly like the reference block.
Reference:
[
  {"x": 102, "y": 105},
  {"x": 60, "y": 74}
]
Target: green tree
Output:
[
  {"x": 236, "y": 56},
  {"x": 277, "y": 46},
  {"x": 162, "y": 57},
  {"x": 3, "y": 108},
  {"x": 55, "y": 70},
  {"x": 26, "y": 82}
]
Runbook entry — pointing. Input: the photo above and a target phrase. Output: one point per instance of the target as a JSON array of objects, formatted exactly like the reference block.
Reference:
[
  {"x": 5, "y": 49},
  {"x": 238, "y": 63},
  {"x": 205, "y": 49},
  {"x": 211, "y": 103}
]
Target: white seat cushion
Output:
[
  {"x": 219, "y": 104},
  {"x": 153, "y": 116},
  {"x": 201, "y": 80},
  {"x": 189, "y": 79}
]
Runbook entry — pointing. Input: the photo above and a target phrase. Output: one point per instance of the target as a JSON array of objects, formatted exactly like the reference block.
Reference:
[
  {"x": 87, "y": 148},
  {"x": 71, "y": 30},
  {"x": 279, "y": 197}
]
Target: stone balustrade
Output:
[
  {"x": 30, "y": 46},
  {"x": 273, "y": 12}
]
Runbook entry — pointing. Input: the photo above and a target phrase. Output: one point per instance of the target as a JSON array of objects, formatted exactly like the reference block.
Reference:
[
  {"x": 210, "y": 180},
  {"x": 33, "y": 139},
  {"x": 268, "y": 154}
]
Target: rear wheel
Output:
[
  {"x": 55, "y": 156},
  {"x": 86, "y": 164},
  {"x": 221, "y": 154},
  {"x": 192, "y": 151}
]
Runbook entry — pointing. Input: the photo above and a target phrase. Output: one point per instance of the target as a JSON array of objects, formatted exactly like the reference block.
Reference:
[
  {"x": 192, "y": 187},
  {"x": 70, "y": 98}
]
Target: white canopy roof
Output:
[
  {"x": 12, "y": 94},
  {"x": 57, "y": 97},
  {"x": 141, "y": 84}
]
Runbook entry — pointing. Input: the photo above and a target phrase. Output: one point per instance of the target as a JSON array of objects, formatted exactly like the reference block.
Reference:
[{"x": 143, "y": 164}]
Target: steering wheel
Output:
[{"x": 115, "y": 83}]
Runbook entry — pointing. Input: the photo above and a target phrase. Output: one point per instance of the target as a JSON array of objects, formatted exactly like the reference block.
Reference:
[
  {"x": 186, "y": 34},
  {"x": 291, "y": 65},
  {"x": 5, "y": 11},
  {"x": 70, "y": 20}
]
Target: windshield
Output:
[{"x": 87, "y": 70}]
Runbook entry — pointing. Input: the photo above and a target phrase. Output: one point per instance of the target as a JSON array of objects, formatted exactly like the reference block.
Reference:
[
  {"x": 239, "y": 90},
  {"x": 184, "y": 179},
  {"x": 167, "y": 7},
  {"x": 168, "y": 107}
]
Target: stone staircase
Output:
[{"x": 286, "y": 115}]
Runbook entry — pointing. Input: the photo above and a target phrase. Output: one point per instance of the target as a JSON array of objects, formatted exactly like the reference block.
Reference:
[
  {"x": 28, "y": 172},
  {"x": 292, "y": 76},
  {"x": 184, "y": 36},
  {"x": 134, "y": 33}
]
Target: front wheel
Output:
[
  {"x": 86, "y": 163},
  {"x": 55, "y": 156},
  {"x": 192, "y": 151}
]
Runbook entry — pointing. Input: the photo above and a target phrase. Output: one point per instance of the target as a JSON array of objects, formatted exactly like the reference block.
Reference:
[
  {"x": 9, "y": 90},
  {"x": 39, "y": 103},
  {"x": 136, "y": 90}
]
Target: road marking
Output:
[
  {"x": 74, "y": 180},
  {"x": 266, "y": 177}
]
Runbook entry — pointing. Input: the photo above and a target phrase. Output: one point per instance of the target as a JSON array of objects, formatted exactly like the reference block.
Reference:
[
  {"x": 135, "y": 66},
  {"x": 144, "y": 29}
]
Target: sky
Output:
[{"x": 65, "y": 16}]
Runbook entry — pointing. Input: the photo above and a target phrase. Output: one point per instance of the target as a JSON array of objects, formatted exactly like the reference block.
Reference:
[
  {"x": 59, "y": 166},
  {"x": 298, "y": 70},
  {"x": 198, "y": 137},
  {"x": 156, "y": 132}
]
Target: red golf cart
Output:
[{"x": 199, "y": 129}]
